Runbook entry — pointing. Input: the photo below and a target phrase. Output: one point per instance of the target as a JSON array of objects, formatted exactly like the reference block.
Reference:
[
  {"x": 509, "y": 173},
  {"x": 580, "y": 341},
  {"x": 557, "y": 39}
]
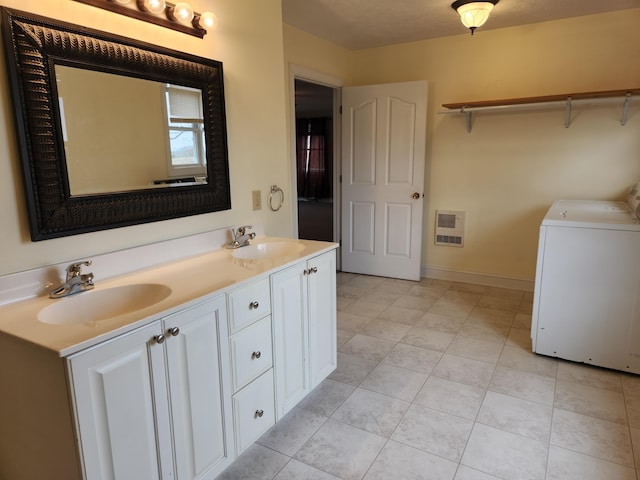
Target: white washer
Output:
[{"x": 587, "y": 291}]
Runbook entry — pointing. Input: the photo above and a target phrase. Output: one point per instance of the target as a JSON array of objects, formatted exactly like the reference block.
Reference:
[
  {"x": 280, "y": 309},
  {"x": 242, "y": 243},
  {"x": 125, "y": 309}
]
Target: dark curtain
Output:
[{"x": 313, "y": 157}]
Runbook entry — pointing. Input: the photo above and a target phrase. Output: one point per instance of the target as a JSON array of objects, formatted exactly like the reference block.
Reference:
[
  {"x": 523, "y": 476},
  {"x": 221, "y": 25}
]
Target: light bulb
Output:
[
  {"x": 154, "y": 6},
  {"x": 208, "y": 21},
  {"x": 183, "y": 12}
]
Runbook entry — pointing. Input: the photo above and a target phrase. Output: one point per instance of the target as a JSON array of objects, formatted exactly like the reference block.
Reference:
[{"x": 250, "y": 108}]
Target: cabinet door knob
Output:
[
  {"x": 255, "y": 355},
  {"x": 160, "y": 338},
  {"x": 174, "y": 331},
  {"x": 314, "y": 270},
  {"x": 254, "y": 305},
  {"x": 258, "y": 414}
]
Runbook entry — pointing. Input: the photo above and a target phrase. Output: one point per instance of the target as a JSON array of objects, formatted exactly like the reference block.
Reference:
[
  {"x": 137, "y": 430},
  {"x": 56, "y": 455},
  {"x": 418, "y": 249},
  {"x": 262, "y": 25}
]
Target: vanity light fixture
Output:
[
  {"x": 473, "y": 13},
  {"x": 179, "y": 17}
]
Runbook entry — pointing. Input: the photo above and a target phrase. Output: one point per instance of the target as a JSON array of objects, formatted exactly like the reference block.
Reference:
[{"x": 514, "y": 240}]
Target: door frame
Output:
[{"x": 298, "y": 72}]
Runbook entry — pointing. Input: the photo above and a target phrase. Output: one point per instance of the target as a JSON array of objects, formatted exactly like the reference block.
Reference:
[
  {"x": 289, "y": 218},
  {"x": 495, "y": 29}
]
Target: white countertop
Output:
[{"x": 191, "y": 281}]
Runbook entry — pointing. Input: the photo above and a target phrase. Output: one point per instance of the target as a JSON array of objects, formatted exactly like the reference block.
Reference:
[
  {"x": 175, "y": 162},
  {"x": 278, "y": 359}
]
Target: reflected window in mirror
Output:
[{"x": 185, "y": 132}]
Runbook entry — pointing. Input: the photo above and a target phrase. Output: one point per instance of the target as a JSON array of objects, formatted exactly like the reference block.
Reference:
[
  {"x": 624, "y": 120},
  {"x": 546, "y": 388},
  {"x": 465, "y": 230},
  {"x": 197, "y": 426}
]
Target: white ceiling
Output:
[{"x": 357, "y": 24}]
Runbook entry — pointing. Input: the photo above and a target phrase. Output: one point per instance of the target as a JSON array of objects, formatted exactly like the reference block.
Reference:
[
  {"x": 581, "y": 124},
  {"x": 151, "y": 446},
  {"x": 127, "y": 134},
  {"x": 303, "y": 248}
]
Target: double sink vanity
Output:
[{"x": 170, "y": 371}]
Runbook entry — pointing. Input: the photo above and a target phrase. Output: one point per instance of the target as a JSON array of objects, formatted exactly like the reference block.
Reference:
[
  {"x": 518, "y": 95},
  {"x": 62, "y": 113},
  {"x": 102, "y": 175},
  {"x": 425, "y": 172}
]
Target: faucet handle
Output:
[
  {"x": 242, "y": 230},
  {"x": 73, "y": 269}
]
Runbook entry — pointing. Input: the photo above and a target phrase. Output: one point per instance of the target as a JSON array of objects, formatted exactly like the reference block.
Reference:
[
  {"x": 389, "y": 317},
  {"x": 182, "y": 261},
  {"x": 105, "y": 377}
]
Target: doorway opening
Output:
[{"x": 315, "y": 163}]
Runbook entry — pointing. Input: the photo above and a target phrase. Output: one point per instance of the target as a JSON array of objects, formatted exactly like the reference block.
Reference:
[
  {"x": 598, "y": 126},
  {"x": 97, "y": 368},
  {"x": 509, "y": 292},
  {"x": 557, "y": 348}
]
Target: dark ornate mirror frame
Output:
[{"x": 33, "y": 45}]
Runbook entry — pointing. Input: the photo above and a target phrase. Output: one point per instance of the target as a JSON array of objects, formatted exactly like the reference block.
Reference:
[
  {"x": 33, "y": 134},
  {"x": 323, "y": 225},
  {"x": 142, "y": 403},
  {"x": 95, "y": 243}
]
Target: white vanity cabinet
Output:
[
  {"x": 154, "y": 403},
  {"x": 304, "y": 326},
  {"x": 177, "y": 395}
]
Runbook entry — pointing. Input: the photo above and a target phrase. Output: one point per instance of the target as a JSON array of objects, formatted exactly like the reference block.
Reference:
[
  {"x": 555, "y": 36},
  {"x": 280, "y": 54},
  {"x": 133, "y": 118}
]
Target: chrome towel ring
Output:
[{"x": 275, "y": 190}]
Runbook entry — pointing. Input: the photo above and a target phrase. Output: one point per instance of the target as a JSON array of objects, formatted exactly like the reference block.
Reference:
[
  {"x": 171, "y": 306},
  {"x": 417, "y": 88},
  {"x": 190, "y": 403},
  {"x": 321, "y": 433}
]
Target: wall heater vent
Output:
[{"x": 450, "y": 228}]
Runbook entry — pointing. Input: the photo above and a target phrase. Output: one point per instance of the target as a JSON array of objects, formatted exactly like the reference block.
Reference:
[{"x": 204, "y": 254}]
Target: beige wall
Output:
[
  {"x": 249, "y": 43},
  {"x": 511, "y": 167},
  {"x": 115, "y": 126}
]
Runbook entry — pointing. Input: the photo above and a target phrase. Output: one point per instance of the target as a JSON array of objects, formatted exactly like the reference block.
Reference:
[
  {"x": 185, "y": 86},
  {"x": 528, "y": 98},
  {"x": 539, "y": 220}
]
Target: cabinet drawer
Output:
[
  {"x": 248, "y": 304},
  {"x": 253, "y": 411},
  {"x": 251, "y": 353}
]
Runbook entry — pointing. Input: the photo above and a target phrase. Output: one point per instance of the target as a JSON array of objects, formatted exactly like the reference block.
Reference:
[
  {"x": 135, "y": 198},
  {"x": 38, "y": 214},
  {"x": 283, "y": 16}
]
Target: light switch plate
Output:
[{"x": 256, "y": 199}]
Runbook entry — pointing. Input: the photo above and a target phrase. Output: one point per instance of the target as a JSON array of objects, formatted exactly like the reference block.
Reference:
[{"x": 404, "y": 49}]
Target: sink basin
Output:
[
  {"x": 260, "y": 251},
  {"x": 97, "y": 305}
]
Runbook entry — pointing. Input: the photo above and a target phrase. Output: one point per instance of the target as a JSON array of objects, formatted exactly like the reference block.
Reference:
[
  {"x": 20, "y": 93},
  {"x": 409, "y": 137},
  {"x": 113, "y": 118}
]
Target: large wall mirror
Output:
[{"x": 112, "y": 131}]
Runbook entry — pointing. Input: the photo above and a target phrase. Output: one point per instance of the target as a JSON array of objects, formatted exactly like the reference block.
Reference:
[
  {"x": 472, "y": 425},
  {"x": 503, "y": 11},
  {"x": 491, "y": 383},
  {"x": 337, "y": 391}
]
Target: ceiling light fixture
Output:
[
  {"x": 180, "y": 17},
  {"x": 473, "y": 13}
]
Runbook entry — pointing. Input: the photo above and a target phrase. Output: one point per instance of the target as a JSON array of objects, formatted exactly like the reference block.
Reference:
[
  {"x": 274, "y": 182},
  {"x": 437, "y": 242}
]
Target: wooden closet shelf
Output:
[{"x": 542, "y": 99}]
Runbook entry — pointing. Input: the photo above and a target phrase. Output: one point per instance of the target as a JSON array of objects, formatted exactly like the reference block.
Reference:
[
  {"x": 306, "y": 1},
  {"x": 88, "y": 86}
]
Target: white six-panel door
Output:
[{"x": 383, "y": 155}]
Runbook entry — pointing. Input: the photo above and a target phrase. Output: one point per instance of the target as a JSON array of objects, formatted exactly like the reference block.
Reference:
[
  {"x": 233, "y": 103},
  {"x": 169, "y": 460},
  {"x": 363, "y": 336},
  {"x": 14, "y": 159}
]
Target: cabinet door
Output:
[
  {"x": 289, "y": 316},
  {"x": 198, "y": 366},
  {"x": 322, "y": 316},
  {"x": 114, "y": 395}
]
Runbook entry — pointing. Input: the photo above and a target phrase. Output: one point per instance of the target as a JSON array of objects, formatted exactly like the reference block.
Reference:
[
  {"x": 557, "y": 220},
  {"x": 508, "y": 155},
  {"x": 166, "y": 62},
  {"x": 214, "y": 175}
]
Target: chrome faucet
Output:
[
  {"x": 241, "y": 237},
  {"x": 76, "y": 281}
]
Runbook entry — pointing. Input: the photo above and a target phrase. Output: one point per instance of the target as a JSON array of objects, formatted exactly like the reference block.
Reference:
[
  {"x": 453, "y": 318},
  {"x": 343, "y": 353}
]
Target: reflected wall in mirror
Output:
[{"x": 108, "y": 127}]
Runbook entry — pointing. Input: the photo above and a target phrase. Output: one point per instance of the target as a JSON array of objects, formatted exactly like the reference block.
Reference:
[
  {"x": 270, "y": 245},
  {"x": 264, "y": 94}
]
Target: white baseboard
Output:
[{"x": 476, "y": 278}]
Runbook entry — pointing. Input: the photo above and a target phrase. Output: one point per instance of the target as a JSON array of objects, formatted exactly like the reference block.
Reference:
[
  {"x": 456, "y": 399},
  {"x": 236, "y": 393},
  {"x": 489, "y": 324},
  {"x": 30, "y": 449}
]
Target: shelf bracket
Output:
[
  {"x": 567, "y": 113},
  {"x": 468, "y": 117},
  {"x": 625, "y": 109}
]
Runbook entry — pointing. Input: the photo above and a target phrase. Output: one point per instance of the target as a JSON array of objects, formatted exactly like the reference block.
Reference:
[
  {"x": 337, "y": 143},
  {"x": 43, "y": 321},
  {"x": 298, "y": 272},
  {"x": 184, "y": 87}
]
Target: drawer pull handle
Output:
[
  {"x": 255, "y": 355},
  {"x": 258, "y": 414},
  {"x": 254, "y": 305},
  {"x": 160, "y": 338},
  {"x": 174, "y": 331}
]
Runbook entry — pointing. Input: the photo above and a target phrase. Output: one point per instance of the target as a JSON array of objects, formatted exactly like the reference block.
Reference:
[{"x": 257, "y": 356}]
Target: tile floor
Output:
[{"x": 436, "y": 380}]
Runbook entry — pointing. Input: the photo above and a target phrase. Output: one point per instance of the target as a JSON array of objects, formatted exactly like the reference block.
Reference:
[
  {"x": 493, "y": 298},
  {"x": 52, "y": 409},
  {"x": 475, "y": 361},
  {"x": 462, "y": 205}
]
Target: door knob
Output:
[{"x": 415, "y": 196}]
